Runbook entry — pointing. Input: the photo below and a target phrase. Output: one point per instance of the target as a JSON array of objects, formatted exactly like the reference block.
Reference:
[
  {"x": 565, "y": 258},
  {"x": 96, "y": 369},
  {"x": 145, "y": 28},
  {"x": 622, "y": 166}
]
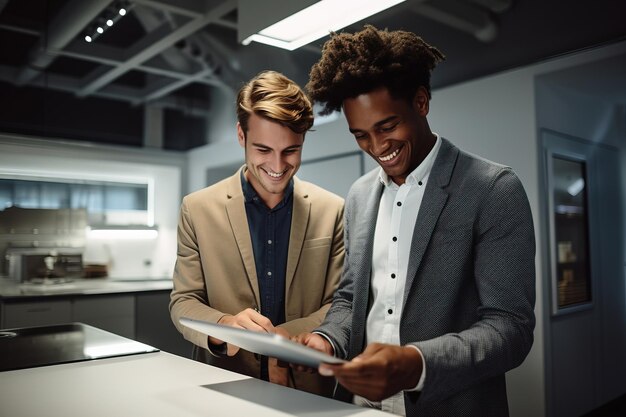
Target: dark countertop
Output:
[{"x": 64, "y": 343}]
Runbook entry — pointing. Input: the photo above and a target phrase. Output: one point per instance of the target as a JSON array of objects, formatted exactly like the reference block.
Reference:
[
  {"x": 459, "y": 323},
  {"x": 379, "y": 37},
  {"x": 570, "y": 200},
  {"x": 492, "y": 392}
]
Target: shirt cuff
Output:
[
  {"x": 420, "y": 383},
  {"x": 329, "y": 341},
  {"x": 217, "y": 350}
]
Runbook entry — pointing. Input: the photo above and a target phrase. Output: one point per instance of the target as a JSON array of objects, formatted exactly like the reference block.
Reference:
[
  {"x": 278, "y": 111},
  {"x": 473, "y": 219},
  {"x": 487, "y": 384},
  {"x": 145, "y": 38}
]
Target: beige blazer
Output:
[{"x": 215, "y": 272}]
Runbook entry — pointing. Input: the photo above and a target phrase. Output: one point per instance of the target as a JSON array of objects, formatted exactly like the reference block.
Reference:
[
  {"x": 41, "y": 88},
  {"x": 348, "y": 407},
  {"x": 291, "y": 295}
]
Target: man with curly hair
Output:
[
  {"x": 437, "y": 295},
  {"x": 260, "y": 250}
]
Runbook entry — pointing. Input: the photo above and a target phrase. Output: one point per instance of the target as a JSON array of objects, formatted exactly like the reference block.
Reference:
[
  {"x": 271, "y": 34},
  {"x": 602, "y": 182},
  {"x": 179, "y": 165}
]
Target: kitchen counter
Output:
[
  {"x": 12, "y": 289},
  {"x": 155, "y": 384}
]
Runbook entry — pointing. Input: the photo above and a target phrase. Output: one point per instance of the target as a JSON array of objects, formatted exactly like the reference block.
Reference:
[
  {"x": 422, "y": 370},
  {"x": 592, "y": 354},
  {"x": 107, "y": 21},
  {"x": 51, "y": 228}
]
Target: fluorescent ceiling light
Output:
[
  {"x": 576, "y": 187},
  {"x": 317, "y": 21},
  {"x": 126, "y": 234}
]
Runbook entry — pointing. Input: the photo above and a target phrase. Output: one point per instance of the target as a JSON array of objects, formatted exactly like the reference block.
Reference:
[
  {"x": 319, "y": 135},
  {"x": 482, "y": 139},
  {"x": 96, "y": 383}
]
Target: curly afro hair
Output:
[{"x": 353, "y": 64}]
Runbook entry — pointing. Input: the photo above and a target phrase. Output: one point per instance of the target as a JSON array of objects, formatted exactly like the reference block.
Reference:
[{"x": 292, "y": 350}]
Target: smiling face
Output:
[
  {"x": 392, "y": 131},
  {"x": 273, "y": 156}
]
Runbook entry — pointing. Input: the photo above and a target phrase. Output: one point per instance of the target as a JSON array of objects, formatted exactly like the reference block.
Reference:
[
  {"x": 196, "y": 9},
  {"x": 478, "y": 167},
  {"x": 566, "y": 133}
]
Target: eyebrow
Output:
[
  {"x": 260, "y": 145},
  {"x": 377, "y": 124}
]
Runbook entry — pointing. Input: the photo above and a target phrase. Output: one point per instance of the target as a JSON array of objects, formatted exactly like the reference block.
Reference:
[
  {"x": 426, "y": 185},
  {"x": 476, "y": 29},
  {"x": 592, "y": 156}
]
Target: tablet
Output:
[{"x": 266, "y": 344}]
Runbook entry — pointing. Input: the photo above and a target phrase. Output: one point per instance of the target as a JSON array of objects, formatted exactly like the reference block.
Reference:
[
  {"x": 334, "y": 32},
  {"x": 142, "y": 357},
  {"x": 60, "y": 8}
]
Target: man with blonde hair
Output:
[{"x": 260, "y": 250}]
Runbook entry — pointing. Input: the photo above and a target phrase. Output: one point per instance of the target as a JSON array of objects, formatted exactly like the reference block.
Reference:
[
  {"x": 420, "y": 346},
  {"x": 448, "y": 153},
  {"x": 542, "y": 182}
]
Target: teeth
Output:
[
  {"x": 275, "y": 174},
  {"x": 390, "y": 156}
]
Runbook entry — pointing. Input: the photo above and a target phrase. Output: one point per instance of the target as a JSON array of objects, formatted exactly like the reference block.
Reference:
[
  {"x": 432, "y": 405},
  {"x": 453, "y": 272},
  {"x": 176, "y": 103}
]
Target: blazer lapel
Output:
[
  {"x": 236, "y": 210},
  {"x": 299, "y": 223},
  {"x": 434, "y": 200}
]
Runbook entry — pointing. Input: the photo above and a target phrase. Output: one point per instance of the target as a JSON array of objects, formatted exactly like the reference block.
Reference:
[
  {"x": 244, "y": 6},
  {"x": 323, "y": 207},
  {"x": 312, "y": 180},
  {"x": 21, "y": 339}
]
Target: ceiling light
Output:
[
  {"x": 315, "y": 21},
  {"x": 576, "y": 187},
  {"x": 124, "y": 233},
  {"x": 107, "y": 18}
]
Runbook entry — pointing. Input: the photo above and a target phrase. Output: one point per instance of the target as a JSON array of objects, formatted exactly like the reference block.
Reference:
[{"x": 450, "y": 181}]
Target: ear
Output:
[
  {"x": 241, "y": 136},
  {"x": 421, "y": 102}
]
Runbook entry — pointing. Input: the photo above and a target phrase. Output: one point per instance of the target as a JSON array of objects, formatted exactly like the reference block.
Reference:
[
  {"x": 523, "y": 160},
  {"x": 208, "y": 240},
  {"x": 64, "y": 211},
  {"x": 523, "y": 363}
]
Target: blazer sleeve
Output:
[
  {"x": 504, "y": 274},
  {"x": 189, "y": 297},
  {"x": 333, "y": 273},
  {"x": 337, "y": 324}
]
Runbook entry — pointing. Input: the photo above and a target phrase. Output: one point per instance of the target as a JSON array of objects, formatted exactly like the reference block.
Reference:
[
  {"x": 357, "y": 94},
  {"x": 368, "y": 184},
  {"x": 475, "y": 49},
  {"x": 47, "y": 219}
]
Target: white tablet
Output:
[{"x": 265, "y": 344}]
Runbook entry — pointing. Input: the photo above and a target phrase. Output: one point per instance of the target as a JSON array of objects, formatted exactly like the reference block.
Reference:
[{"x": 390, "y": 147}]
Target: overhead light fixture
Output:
[
  {"x": 130, "y": 232},
  {"x": 106, "y": 19},
  {"x": 304, "y": 26},
  {"x": 576, "y": 187}
]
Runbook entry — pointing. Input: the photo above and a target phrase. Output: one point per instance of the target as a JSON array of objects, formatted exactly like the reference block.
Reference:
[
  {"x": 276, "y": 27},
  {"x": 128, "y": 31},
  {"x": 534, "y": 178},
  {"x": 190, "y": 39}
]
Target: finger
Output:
[
  {"x": 260, "y": 320},
  {"x": 231, "y": 350}
]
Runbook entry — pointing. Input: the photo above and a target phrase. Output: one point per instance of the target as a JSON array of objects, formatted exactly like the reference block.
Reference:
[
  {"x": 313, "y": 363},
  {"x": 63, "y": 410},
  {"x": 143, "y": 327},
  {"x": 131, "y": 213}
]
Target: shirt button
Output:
[
  {"x": 393, "y": 275},
  {"x": 399, "y": 203},
  {"x": 269, "y": 242},
  {"x": 419, "y": 183},
  {"x": 395, "y": 239},
  {"x": 390, "y": 311},
  {"x": 269, "y": 273}
]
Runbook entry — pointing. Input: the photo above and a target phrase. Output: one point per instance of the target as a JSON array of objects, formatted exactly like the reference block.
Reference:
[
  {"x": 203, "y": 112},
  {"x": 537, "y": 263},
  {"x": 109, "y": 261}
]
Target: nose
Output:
[
  {"x": 277, "y": 164},
  {"x": 378, "y": 145}
]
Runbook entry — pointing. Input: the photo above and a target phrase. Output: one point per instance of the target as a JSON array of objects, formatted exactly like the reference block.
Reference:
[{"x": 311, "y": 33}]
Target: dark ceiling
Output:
[{"x": 176, "y": 55}]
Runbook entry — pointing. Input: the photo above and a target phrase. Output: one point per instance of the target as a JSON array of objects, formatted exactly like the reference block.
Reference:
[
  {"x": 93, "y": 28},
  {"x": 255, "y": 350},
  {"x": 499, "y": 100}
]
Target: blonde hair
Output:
[{"x": 275, "y": 97}]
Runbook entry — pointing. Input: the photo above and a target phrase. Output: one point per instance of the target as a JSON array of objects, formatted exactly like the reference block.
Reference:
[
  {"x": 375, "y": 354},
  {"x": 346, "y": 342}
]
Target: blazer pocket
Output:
[{"x": 317, "y": 242}]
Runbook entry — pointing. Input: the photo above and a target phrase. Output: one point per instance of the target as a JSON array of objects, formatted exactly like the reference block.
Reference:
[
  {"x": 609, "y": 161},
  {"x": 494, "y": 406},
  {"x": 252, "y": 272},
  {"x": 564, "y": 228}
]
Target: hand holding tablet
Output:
[{"x": 266, "y": 344}]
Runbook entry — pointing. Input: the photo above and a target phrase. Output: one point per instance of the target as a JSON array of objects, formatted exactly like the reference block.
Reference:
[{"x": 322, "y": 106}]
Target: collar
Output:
[{"x": 419, "y": 173}]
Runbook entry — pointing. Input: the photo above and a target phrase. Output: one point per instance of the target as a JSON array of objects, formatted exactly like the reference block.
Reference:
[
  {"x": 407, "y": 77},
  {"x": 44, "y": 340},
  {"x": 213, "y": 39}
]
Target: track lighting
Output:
[{"x": 106, "y": 20}]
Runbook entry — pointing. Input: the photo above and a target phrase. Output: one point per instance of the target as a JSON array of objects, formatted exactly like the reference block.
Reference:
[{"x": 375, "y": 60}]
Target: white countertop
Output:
[
  {"x": 12, "y": 289},
  {"x": 155, "y": 385}
]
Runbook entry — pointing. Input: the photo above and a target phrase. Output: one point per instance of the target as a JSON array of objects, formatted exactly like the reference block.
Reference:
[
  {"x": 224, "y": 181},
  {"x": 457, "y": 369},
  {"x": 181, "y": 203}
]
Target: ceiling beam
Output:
[
  {"x": 107, "y": 55},
  {"x": 18, "y": 29},
  {"x": 173, "y": 86},
  {"x": 157, "y": 47},
  {"x": 461, "y": 16},
  {"x": 194, "y": 107},
  {"x": 66, "y": 25},
  {"x": 189, "y": 8},
  {"x": 3, "y": 4}
]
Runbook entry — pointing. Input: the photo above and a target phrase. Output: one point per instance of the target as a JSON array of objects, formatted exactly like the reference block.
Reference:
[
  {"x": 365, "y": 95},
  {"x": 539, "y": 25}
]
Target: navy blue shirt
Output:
[{"x": 269, "y": 230}]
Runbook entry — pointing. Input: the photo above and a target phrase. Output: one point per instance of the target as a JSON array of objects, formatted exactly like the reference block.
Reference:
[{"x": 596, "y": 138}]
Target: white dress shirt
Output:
[{"x": 397, "y": 214}]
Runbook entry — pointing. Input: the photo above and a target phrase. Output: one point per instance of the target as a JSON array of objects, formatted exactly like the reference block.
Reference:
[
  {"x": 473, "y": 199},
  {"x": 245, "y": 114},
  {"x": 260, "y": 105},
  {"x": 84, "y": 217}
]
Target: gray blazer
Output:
[{"x": 470, "y": 295}]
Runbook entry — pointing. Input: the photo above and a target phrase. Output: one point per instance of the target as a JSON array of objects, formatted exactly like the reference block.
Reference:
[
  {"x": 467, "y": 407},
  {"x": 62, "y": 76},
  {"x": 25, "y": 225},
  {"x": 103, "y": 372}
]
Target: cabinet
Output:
[
  {"x": 142, "y": 316},
  {"x": 155, "y": 327},
  {"x": 36, "y": 313},
  {"x": 113, "y": 313}
]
